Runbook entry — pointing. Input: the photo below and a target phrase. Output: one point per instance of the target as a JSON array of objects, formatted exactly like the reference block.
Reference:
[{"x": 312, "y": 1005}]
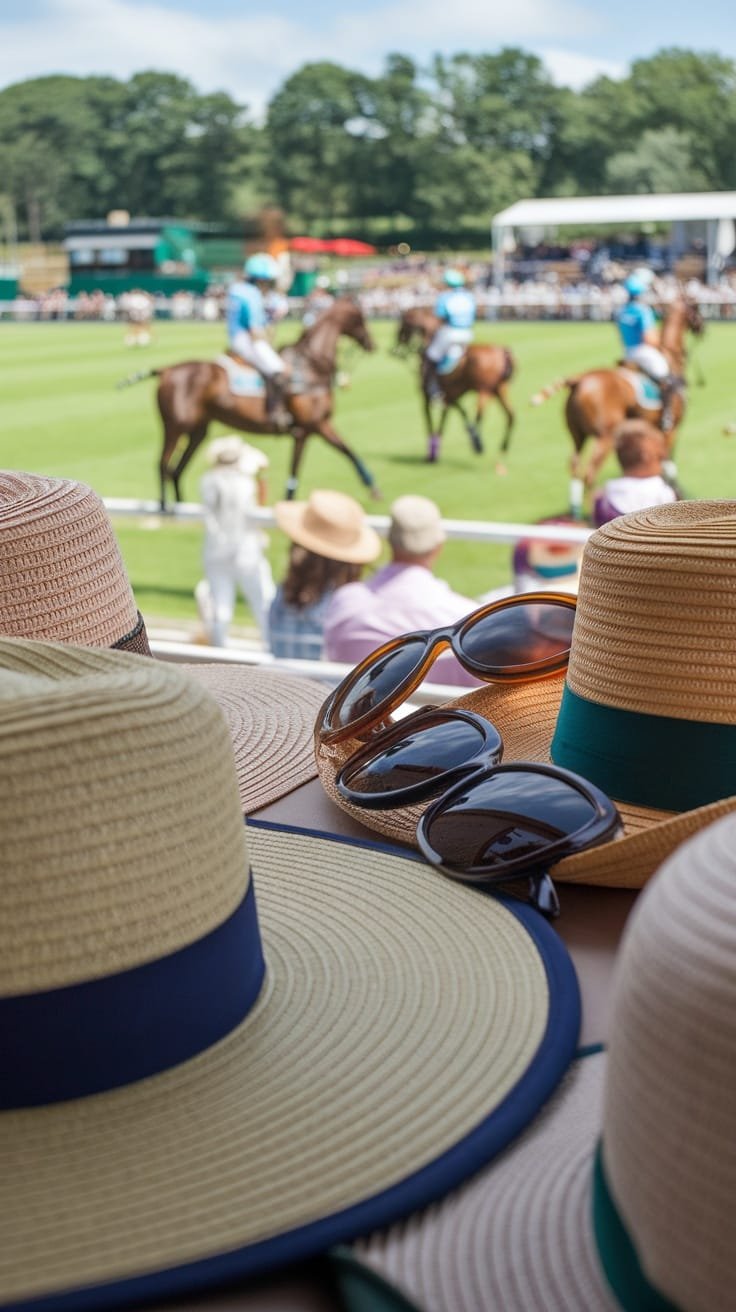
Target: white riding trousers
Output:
[
  {"x": 444, "y": 338},
  {"x": 258, "y": 352},
  {"x": 650, "y": 359}
]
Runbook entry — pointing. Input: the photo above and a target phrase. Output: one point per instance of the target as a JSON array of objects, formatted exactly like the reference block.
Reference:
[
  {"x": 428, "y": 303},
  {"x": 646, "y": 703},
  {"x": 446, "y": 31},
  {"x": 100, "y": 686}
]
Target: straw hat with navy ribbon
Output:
[
  {"x": 647, "y": 710},
  {"x": 620, "y": 1196},
  {"x": 206, "y": 1075},
  {"x": 62, "y": 578}
]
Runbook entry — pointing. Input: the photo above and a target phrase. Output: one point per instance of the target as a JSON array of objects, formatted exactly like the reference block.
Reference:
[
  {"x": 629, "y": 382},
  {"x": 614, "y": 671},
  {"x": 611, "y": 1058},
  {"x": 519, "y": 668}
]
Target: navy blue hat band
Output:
[{"x": 85, "y": 1038}]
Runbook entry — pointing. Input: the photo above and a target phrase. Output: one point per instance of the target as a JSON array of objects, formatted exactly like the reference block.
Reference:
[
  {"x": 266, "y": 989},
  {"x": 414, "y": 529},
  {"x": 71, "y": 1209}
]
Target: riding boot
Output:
[
  {"x": 432, "y": 380},
  {"x": 669, "y": 387},
  {"x": 277, "y": 412}
]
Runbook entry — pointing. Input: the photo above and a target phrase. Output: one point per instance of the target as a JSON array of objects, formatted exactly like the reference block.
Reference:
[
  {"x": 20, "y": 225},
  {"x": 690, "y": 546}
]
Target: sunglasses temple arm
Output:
[{"x": 543, "y": 895}]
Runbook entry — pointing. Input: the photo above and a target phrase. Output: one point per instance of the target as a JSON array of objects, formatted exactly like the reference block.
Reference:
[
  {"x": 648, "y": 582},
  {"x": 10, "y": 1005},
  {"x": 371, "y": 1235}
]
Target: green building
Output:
[{"x": 154, "y": 255}]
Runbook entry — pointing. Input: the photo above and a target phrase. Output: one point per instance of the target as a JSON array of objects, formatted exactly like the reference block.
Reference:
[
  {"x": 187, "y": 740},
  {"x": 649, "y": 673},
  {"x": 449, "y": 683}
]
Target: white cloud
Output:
[
  {"x": 249, "y": 55},
  {"x": 574, "y": 70}
]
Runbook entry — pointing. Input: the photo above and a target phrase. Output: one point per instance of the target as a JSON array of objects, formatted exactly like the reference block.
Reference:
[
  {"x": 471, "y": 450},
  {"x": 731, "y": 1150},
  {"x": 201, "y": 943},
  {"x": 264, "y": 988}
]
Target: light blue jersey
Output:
[
  {"x": 456, "y": 308},
  {"x": 633, "y": 322},
  {"x": 245, "y": 308}
]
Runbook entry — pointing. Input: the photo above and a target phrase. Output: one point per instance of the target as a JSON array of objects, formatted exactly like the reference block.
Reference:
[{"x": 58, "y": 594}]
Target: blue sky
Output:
[{"x": 247, "y": 47}]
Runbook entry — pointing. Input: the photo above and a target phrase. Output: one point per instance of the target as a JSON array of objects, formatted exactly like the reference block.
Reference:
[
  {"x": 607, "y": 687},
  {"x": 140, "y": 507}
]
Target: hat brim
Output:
[
  {"x": 289, "y": 516},
  {"x": 270, "y": 718},
  {"x": 526, "y": 715},
  {"x": 518, "y": 1237},
  {"x": 390, "y": 1054}
]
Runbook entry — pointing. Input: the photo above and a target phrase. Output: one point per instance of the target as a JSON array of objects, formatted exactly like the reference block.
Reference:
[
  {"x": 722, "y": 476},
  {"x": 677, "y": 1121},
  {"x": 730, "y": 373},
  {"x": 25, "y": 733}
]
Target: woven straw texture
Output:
[
  {"x": 270, "y": 718},
  {"x": 385, "y": 1031},
  {"x": 519, "y": 1236},
  {"x": 61, "y": 573},
  {"x": 106, "y": 829},
  {"x": 655, "y": 631}
]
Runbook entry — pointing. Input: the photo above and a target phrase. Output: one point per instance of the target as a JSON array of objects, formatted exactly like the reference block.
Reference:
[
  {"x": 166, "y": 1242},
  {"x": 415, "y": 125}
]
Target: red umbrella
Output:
[
  {"x": 349, "y": 246},
  {"x": 309, "y": 245}
]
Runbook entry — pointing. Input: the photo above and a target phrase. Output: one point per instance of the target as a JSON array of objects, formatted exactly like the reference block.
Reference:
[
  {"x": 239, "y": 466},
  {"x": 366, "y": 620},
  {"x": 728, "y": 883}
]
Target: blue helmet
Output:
[
  {"x": 261, "y": 266},
  {"x": 635, "y": 285},
  {"x": 454, "y": 278}
]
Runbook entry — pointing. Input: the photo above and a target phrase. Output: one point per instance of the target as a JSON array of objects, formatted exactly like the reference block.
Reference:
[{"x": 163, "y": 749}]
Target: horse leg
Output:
[
  {"x": 602, "y": 447},
  {"x": 292, "y": 483},
  {"x": 330, "y": 434},
  {"x": 503, "y": 400},
  {"x": 669, "y": 466},
  {"x": 196, "y": 436},
  {"x": 172, "y": 433},
  {"x": 433, "y": 440},
  {"x": 472, "y": 429},
  {"x": 578, "y": 433}
]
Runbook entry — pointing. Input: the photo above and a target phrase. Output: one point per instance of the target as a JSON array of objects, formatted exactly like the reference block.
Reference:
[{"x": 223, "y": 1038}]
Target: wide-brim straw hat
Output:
[
  {"x": 647, "y": 710},
  {"x": 331, "y": 524},
  {"x": 208, "y": 1074},
  {"x": 62, "y": 578},
  {"x": 620, "y": 1195}
]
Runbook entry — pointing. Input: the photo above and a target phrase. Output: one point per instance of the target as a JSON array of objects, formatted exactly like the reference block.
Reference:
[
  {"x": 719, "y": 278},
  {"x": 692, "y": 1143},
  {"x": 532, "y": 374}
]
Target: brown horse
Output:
[
  {"x": 483, "y": 369},
  {"x": 191, "y": 395},
  {"x": 599, "y": 400}
]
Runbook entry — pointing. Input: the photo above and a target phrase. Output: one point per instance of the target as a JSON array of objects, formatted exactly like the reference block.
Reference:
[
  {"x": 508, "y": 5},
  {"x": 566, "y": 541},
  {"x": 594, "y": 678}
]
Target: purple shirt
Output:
[{"x": 397, "y": 599}]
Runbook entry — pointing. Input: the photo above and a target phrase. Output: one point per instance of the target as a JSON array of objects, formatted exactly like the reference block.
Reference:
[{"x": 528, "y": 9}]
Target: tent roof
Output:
[{"x": 617, "y": 209}]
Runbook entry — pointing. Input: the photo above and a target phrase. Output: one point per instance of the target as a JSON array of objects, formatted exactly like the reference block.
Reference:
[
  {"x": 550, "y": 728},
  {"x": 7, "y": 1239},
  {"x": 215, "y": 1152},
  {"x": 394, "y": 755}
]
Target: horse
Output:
[
  {"x": 600, "y": 399},
  {"x": 193, "y": 394},
  {"x": 483, "y": 368}
]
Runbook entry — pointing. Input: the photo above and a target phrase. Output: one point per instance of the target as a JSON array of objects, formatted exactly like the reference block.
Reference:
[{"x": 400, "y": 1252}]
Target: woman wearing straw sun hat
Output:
[
  {"x": 647, "y": 710},
  {"x": 620, "y": 1195},
  {"x": 62, "y": 578},
  {"x": 331, "y": 542},
  {"x": 220, "y": 1049}
]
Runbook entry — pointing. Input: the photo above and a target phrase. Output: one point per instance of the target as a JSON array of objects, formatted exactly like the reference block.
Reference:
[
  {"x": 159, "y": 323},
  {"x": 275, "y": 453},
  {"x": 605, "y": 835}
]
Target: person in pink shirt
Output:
[{"x": 403, "y": 596}]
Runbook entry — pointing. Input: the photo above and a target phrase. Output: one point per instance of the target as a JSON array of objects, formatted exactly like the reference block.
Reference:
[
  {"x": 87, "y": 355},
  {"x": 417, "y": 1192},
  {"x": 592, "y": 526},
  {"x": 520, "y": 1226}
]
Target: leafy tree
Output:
[{"x": 662, "y": 160}]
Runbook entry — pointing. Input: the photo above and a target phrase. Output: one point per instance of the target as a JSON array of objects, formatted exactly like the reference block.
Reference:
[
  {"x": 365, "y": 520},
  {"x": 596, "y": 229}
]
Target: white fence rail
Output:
[{"x": 467, "y": 530}]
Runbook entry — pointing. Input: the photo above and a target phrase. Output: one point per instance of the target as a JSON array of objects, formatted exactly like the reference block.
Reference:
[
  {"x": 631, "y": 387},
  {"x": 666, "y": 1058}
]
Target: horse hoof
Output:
[
  {"x": 501, "y": 469},
  {"x": 376, "y": 493},
  {"x": 433, "y": 450}
]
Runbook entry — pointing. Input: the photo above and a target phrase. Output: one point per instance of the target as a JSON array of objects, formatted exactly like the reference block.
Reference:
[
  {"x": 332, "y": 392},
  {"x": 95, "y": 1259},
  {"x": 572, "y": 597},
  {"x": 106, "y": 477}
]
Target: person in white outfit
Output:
[{"x": 233, "y": 543}]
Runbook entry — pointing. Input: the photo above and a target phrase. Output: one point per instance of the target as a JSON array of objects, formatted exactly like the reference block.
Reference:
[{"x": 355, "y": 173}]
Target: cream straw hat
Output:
[
  {"x": 62, "y": 578},
  {"x": 175, "y": 1113},
  {"x": 647, "y": 711},
  {"x": 640, "y": 1215},
  {"x": 331, "y": 524}
]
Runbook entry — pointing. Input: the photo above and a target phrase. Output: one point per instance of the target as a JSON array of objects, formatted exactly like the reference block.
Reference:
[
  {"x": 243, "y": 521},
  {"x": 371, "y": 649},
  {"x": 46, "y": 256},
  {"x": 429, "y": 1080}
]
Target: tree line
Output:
[{"x": 430, "y": 150}]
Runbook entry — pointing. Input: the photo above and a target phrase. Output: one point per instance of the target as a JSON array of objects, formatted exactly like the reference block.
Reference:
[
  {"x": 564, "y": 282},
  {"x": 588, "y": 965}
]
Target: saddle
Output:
[
  {"x": 451, "y": 359},
  {"x": 242, "y": 378},
  {"x": 648, "y": 393}
]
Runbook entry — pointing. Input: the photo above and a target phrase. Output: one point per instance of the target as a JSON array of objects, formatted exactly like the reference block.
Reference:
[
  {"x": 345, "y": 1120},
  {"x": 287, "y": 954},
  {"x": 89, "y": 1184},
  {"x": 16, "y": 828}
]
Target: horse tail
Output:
[
  {"x": 140, "y": 377},
  {"x": 546, "y": 392}
]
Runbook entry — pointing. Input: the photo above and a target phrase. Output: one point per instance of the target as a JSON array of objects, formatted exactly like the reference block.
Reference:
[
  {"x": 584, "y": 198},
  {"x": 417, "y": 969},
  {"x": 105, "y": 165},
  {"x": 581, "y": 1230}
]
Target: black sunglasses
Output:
[{"x": 492, "y": 823}]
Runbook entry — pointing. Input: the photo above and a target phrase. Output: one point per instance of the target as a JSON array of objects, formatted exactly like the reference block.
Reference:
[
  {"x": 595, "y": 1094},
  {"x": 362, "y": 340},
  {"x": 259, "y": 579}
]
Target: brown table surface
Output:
[{"x": 590, "y": 924}]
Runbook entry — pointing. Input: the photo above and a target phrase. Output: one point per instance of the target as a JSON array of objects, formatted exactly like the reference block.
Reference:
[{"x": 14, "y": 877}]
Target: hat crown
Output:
[
  {"x": 655, "y": 629},
  {"x": 416, "y": 524},
  {"x": 669, "y": 1105},
  {"x": 62, "y": 573},
  {"x": 335, "y": 517},
  {"x": 120, "y": 822}
]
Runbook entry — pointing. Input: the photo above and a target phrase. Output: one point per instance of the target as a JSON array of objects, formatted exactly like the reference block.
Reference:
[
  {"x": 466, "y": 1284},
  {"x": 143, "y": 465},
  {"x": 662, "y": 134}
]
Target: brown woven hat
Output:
[
  {"x": 647, "y": 711},
  {"x": 62, "y": 578},
  {"x": 620, "y": 1195},
  {"x": 332, "y": 524},
  {"x": 205, "y": 1074},
  {"x": 61, "y": 573}
]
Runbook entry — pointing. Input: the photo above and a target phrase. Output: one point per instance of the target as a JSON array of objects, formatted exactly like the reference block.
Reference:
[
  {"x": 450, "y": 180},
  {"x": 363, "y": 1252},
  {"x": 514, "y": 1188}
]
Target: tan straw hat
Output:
[
  {"x": 61, "y": 573},
  {"x": 62, "y": 578},
  {"x": 332, "y": 524},
  {"x": 176, "y": 1113},
  {"x": 620, "y": 1195},
  {"x": 416, "y": 525},
  {"x": 647, "y": 711}
]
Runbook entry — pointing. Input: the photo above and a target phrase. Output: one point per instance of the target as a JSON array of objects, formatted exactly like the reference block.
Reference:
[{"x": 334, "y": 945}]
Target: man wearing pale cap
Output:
[{"x": 403, "y": 596}]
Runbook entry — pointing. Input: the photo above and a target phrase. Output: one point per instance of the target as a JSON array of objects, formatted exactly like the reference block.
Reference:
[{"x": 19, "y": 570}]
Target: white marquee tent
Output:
[{"x": 717, "y": 209}]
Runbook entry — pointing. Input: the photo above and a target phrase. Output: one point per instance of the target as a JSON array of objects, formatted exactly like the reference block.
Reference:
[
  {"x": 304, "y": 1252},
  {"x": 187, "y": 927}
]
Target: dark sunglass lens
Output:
[
  {"x": 512, "y": 816},
  {"x": 519, "y": 636},
  {"x": 414, "y": 755},
  {"x": 378, "y": 683}
]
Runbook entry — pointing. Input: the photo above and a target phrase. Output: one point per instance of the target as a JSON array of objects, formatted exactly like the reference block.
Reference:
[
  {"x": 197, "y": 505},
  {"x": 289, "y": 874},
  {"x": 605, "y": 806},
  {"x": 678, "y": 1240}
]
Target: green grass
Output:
[{"x": 60, "y": 414}]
